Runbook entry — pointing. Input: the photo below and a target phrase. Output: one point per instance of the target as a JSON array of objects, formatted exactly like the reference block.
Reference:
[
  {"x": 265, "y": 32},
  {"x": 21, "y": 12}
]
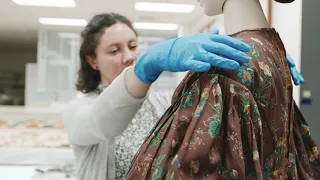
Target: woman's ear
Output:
[{"x": 92, "y": 62}]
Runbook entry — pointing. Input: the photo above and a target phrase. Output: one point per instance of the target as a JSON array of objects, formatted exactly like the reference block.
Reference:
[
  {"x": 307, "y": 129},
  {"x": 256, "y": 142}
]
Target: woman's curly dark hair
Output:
[{"x": 89, "y": 78}]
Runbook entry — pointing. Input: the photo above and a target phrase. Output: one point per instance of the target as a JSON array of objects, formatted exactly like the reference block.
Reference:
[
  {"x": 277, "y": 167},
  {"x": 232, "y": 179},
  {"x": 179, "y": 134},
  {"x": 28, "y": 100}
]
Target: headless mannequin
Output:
[{"x": 238, "y": 14}]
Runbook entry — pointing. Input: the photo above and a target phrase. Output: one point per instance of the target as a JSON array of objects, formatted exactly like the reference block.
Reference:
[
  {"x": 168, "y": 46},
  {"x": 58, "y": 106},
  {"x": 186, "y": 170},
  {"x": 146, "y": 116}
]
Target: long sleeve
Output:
[{"x": 89, "y": 121}]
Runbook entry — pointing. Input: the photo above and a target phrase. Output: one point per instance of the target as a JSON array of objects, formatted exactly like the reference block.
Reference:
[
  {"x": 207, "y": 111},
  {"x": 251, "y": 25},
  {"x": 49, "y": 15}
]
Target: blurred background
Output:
[{"x": 39, "y": 44}]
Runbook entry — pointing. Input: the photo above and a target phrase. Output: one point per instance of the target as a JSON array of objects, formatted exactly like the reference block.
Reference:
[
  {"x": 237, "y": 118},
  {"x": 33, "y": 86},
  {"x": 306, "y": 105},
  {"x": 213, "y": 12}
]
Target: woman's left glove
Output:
[{"x": 198, "y": 52}]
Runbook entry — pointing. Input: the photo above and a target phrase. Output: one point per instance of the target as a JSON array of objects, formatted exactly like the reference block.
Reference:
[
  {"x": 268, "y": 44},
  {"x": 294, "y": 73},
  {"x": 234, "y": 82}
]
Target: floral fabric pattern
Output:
[{"x": 233, "y": 124}]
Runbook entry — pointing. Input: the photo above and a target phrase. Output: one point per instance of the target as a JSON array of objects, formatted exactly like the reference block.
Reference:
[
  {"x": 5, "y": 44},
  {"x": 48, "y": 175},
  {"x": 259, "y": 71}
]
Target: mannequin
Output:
[
  {"x": 245, "y": 14},
  {"x": 233, "y": 124},
  {"x": 238, "y": 15}
]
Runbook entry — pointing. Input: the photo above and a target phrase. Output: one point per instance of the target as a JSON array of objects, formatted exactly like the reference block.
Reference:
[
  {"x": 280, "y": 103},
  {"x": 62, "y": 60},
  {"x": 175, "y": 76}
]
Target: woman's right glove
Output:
[
  {"x": 198, "y": 52},
  {"x": 296, "y": 76}
]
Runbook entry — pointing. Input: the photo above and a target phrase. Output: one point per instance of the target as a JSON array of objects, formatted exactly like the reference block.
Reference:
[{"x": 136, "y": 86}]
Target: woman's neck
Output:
[
  {"x": 243, "y": 14},
  {"x": 104, "y": 81}
]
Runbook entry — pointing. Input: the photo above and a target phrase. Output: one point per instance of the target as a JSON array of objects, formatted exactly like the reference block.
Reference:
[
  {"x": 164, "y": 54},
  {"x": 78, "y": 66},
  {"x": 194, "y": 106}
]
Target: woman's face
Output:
[
  {"x": 212, "y": 7},
  {"x": 117, "y": 50}
]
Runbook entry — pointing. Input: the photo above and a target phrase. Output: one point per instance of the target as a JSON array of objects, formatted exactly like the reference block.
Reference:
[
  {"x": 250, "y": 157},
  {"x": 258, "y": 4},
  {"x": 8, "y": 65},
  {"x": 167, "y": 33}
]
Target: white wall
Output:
[{"x": 287, "y": 20}]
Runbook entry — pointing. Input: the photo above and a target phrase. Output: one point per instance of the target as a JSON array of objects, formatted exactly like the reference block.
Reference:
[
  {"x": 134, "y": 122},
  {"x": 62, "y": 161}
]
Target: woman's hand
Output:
[{"x": 198, "y": 52}]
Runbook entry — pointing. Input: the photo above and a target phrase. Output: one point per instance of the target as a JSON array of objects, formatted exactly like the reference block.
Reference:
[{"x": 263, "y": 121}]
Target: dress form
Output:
[
  {"x": 244, "y": 14},
  {"x": 238, "y": 14}
]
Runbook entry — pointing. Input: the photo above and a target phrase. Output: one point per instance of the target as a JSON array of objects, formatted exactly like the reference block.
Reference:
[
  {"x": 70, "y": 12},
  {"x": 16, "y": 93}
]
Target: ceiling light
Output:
[
  {"x": 164, "y": 7},
  {"x": 46, "y": 3},
  {"x": 156, "y": 26},
  {"x": 63, "y": 22}
]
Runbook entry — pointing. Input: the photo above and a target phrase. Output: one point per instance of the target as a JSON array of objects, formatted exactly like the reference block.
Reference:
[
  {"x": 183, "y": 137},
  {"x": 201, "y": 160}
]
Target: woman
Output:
[
  {"x": 115, "y": 91},
  {"x": 241, "y": 124}
]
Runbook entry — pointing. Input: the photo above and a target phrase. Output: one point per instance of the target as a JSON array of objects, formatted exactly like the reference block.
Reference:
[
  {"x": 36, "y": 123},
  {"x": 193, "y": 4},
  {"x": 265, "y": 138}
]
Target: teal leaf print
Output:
[
  {"x": 246, "y": 75},
  {"x": 214, "y": 79},
  {"x": 214, "y": 128},
  {"x": 217, "y": 117},
  {"x": 160, "y": 159},
  {"x": 261, "y": 99},
  {"x": 199, "y": 109},
  {"x": 155, "y": 140},
  {"x": 156, "y": 174},
  {"x": 188, "y": 100},
  {"x": 251, "y": 46},
  {"x": 254, "y": 52}
]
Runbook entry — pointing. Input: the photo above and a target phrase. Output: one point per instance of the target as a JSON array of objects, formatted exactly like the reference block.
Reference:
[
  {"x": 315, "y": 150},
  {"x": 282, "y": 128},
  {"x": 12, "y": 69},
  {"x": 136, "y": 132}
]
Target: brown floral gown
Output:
[{"x": 240, "y": 124}]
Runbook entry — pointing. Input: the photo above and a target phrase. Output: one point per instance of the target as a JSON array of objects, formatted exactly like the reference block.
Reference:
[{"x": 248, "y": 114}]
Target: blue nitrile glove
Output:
[
  {"x": 198, "y": 52},
  {"x": 296, "y": 76}
]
